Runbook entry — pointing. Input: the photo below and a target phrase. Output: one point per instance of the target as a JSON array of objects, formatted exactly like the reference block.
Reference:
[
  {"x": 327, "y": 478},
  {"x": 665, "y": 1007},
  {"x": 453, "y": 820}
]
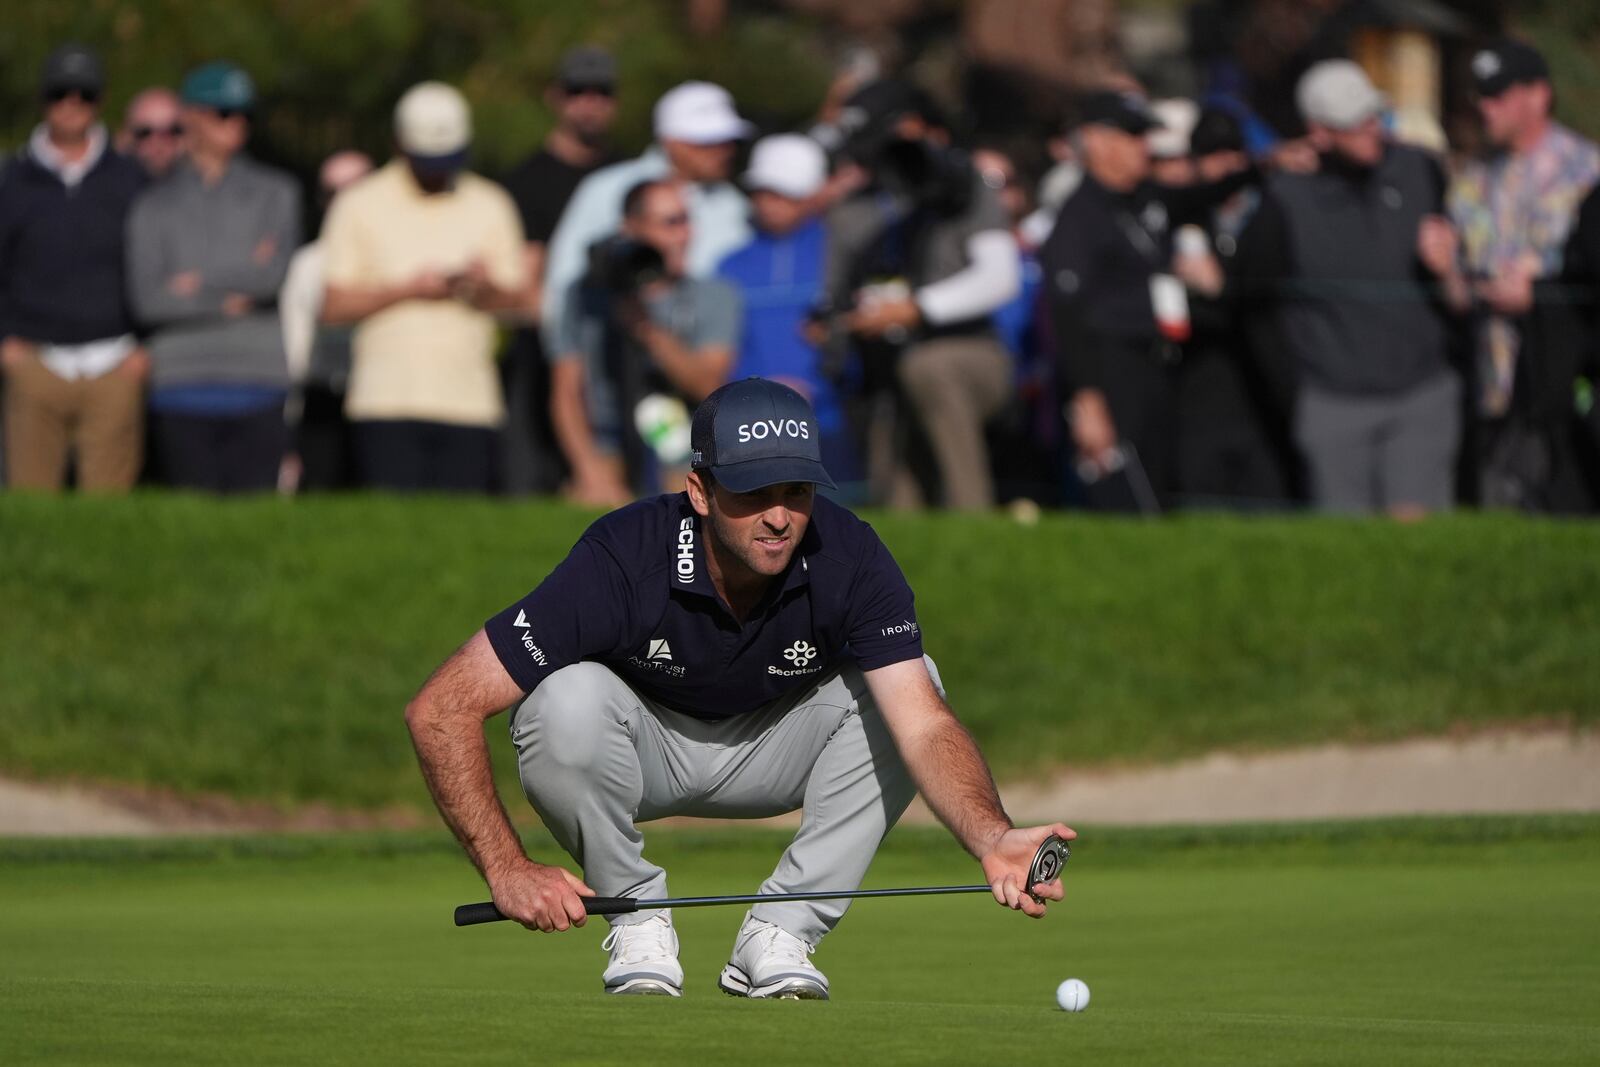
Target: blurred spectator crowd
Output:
[{"x": 1186, "y": 310}]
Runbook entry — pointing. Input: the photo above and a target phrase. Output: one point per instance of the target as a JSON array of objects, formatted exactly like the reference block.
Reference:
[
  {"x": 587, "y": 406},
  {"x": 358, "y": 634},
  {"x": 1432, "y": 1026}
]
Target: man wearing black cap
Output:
[
  {"x": 73, "y": 369},
  {"x": 583, "y": 98},
  {"x": 739, "y": 650},
  {"x": 1120, "y": 316},
  {"x": 1513, "y": 211}
]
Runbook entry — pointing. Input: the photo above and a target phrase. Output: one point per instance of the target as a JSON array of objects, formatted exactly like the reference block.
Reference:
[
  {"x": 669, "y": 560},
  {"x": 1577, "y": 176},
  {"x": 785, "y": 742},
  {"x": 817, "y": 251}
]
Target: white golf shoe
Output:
[
  {"x": 769, "y": 961},
  {"x": 644, "y": 958}
]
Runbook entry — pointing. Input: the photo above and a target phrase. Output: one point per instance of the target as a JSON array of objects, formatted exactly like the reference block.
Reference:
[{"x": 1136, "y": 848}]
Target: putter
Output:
[{"x": 1047, "y": 866}]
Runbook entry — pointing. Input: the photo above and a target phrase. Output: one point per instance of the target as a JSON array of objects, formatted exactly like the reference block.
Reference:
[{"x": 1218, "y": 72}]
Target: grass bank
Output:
[
  {"x": 266, "y": 648},
  {"x": 1408, "y": 942}
]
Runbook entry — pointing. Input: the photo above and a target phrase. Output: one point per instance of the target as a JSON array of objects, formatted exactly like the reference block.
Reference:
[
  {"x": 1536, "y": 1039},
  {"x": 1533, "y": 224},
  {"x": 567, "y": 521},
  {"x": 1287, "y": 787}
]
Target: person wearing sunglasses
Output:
[
  {"x": 582, "y": 96},
  {"x": 152, "y": 132},
  {"x": 73, "y": 368},
  {"x": 697, "y": 135},
  {"x": 208, "y": 247},
  {"x": 643, "y": 342}
]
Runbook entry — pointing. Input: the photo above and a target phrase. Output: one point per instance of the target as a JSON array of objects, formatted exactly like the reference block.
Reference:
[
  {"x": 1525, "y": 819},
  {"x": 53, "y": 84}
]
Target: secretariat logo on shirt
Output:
[{"x": 801, "y": 653}]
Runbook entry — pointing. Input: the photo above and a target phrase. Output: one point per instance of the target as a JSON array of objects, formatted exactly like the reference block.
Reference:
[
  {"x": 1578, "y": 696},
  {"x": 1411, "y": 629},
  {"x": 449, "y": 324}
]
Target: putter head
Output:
[{"x": 1048, "y": 862}]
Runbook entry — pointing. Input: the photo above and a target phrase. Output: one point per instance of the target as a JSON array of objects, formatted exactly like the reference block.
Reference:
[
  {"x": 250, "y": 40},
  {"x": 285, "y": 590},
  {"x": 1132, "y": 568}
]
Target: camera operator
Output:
[
  {"x": 919, "y": 259},
  {"x": 641, "y": 343}
]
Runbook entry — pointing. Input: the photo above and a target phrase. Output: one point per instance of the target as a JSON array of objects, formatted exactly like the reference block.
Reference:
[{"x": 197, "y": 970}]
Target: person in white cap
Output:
[
  {"x": 420, "y": 256},
  {"x": 780, "y": 272},
  {"x": 1170, "y": 161},
  {"x": 1334, "y": 259},
  {"x": 697, "y": 131}
]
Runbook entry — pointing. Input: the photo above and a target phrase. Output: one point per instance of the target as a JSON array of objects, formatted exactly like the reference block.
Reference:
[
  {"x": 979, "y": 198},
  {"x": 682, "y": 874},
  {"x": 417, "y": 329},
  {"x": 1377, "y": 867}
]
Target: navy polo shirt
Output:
[{"x": 634, "y": 594}]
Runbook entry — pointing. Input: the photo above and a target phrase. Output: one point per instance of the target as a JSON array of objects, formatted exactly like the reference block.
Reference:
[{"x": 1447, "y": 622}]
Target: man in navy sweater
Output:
[{"x": 74, "y": 371}]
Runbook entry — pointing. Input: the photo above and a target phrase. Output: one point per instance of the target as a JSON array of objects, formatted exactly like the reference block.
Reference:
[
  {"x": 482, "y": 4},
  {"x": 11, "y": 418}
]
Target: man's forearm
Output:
[
  {"x": 345, "y": 306},
  {"x": 455, "y": 764},
  {"x": 569, "y": 418},
  {"x": 953, "y": 778},
  {"x": 692, "y": 373}
]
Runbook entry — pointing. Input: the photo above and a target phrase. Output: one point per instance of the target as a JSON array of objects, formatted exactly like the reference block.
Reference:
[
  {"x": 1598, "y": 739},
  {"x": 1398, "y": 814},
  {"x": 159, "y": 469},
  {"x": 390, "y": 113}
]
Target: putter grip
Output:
[{"x": 486, "y": 912}]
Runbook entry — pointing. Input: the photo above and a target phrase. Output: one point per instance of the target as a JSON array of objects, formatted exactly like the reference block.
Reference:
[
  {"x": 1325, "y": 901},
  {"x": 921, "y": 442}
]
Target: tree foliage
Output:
[{"x": 329, "y": 71}]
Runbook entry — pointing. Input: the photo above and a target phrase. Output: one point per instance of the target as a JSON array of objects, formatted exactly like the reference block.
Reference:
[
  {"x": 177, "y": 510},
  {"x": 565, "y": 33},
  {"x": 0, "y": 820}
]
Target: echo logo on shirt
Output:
[
  {"x": 760, "y": 431},
  {"x": 686, "y": 551}
]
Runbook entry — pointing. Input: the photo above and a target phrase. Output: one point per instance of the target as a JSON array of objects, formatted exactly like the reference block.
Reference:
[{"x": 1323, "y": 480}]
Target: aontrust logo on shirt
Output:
[{"x": 658, "y": 657}]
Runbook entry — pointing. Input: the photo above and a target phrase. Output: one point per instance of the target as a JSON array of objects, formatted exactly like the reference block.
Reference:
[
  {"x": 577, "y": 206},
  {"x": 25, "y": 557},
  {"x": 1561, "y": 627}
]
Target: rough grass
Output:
[
  {"x": 1409, "y": 942},
  {"x": 265, "y": 648}
]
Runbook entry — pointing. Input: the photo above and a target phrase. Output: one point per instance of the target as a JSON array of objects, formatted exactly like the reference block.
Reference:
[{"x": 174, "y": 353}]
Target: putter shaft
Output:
[{"x": 486, "y": 912}]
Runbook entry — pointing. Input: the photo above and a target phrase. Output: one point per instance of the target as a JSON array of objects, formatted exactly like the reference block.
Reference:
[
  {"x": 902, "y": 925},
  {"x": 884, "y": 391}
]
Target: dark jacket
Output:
[
  {"x": 1098, "y": 262},
  {"x": 1332, "y": 256},
  {"x": 61, "y": 251}
]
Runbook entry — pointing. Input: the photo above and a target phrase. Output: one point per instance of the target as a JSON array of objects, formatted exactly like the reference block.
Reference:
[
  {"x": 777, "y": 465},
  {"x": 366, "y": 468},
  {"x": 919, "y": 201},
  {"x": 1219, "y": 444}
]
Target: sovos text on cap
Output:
[{"x": 754, "y": 433}]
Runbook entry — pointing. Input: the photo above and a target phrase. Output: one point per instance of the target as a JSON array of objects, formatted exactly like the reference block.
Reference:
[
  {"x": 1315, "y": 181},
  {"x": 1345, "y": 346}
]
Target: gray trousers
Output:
[
  {"x": 1370, "y": 454},
  {"x": 596, "y": 759}
]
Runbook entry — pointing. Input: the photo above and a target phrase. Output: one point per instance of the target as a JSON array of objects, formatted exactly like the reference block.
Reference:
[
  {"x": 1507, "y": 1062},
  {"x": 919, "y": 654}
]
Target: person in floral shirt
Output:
[{"x": 1510, "y": 215}]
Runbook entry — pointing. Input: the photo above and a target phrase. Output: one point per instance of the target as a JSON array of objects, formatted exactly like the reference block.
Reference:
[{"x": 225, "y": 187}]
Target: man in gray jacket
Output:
[
  {"x": 207, "y": 251},
  {"x": 1332, "y": 260}
]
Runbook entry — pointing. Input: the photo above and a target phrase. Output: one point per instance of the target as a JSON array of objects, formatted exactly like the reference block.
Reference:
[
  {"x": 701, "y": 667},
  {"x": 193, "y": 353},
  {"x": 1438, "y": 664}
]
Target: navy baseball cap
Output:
[
  {"x": 72, "y": 66},
  {"x": 1504, "y": 64},
  {"x": 1127, "y": 112},
  {"x": 754, "y": 433}
]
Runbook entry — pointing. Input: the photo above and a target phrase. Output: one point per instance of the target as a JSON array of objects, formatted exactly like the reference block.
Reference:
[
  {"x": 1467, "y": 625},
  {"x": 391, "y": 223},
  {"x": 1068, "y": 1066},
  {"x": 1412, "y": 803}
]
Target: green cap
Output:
[{"x": 219, "y": 85}]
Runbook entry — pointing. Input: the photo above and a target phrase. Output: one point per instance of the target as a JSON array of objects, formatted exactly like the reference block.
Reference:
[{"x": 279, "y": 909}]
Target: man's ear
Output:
[{"x": 700, "y": 489}]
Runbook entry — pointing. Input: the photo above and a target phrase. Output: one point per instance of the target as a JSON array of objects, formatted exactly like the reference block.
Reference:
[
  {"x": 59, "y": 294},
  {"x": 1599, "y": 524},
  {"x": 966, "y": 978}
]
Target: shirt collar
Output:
[
  {"x": 687, "y": 550},
  {"x": 49, "y": 156}
]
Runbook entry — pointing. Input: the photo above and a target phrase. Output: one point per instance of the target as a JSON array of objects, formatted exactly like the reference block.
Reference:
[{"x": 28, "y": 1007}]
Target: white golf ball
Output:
[{"x": 1072, "y": 995}]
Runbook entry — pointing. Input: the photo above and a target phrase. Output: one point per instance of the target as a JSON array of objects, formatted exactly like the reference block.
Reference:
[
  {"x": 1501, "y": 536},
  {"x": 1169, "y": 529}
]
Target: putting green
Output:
[{"x": 1443, "y": 941}]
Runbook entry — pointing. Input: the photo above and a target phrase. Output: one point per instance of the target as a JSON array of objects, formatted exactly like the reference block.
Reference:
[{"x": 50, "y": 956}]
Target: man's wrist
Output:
[
  {"x": 989, "y": 839},
  {"x": 503, "y": 864}
]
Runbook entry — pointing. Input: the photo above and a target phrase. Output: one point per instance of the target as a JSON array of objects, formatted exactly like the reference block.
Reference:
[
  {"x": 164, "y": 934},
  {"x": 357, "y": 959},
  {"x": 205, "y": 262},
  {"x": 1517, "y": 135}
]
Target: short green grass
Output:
[
  {"x": 265, "y": 649},
  {"x": 1415, "y": 942}
]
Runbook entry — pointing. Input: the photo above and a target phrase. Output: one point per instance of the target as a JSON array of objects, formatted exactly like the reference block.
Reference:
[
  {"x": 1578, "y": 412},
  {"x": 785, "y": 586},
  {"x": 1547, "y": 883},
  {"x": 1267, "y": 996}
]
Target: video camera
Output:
[
  {"x": 620, "y": 265},
  {"x": 933, "y": 177}
]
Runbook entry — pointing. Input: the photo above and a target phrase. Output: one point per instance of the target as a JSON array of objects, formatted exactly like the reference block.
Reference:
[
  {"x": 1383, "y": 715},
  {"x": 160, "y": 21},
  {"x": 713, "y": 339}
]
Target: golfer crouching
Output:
[{"x": 739, "y": 650}]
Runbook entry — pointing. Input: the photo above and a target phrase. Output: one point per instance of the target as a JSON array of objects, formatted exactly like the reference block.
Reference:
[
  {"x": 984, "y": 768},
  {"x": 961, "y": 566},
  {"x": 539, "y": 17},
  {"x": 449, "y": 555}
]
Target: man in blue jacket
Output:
[
  {"x": 74, "y": 371},
  {"x": 780, "y": 272},
  {"x": 738, "y": 650}
]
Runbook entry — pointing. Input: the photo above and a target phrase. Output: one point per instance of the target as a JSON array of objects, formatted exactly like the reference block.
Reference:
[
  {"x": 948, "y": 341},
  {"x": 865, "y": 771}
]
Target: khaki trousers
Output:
[
  {"x": 48, "y": 418},
  {"x": 955, "y": 386}
]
